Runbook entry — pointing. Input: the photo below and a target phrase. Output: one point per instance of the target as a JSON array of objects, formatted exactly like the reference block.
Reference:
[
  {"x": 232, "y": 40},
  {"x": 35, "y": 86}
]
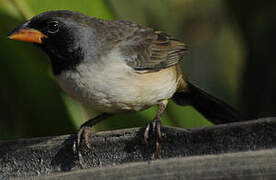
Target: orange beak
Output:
[{"x": 27, "y": 35}]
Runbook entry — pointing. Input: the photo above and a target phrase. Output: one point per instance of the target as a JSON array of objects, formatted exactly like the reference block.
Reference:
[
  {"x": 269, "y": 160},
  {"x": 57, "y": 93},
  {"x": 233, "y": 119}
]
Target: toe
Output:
[
  {"x": 86, "y": 134},
  {"x": 146, "y": 134},
  {"x": 158, "y": 130},
  {"x": 79, "y": 136},
  {"x": 81, "y": 161}
]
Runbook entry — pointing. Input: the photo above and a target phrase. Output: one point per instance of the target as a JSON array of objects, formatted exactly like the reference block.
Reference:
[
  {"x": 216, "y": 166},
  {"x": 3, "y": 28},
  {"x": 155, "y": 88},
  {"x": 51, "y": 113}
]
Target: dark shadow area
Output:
[{"x": 65, "y": 159}]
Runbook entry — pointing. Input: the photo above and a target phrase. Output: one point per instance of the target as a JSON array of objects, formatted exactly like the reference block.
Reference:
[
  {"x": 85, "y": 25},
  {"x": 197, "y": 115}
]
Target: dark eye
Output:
[{"x": 53, "y": 27}]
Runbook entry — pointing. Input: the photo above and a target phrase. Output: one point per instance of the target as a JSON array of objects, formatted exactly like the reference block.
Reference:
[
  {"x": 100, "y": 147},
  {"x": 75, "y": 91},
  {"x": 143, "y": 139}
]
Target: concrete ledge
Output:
[
  {"x": 250, "y": 165},
  {"x": 52, "y": 155}
]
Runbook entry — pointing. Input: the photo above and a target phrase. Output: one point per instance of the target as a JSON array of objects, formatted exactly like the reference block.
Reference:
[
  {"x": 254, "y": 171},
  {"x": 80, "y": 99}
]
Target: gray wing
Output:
[
  {"x": 143, "y": 48},
  {"x": 152, "y": 50}
]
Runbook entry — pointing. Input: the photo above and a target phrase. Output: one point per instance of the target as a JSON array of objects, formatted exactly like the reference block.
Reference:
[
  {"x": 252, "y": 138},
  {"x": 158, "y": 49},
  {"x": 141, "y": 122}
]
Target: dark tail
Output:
[{"x": 212, "y": 108}]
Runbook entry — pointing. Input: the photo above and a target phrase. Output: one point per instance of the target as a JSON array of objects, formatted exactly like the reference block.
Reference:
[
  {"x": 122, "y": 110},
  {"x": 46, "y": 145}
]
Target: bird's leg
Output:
[
  {"x": 84, "y": 132},
  {"x": 155, "y": 124}
]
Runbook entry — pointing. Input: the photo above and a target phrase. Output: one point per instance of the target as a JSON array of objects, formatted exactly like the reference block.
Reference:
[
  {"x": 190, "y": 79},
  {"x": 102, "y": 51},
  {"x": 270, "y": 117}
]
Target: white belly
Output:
[{"x": 116, "y": 87}]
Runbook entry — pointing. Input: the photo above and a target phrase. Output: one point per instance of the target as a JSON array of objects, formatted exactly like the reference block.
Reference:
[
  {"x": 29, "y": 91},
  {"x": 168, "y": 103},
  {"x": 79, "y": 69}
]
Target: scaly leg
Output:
[
  {"x": 84, "y": 132},
  {"x": 155, "y": 124}
]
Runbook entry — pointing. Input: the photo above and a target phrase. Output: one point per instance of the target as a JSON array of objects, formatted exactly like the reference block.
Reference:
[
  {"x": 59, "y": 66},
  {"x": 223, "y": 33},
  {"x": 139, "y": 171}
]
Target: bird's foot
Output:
[
  {"x": 155, "y": 126},
  {"x": 83, "y": 134}
]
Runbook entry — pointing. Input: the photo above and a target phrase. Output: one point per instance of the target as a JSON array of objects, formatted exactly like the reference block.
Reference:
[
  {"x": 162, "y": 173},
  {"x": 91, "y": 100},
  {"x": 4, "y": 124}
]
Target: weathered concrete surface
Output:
[
  {"x": 42, "y": 156},
  {"x": 252, "y": 165}
]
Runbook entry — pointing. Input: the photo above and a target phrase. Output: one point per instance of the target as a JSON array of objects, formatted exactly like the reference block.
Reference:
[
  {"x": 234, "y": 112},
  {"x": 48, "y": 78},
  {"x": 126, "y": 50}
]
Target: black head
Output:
[{"x": 64, "y": 35}]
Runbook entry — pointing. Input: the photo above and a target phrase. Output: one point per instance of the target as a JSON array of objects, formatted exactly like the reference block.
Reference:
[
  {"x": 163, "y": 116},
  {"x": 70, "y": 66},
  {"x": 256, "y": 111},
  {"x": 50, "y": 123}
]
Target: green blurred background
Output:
[{"x": 232, "y": 46}]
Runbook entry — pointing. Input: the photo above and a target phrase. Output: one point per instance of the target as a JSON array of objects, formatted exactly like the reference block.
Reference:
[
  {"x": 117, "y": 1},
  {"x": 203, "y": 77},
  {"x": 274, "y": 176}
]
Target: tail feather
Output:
[{"x": 212, "y": 108}]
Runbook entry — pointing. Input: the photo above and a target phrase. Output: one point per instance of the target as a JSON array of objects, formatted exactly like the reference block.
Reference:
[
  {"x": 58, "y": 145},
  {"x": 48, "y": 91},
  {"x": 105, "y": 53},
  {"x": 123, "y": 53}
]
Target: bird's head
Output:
[{"x": 64, "y": 35}]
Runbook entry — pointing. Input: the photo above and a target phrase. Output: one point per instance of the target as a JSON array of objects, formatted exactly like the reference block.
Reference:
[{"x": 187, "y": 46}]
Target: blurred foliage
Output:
[
  {"x": 227, "y": 49},
  {"x": 257, "y": 27}
]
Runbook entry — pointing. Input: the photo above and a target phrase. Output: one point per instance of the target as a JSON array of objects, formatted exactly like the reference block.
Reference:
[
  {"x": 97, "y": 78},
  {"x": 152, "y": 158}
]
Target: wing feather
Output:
[{"x": 146, "y": 49}]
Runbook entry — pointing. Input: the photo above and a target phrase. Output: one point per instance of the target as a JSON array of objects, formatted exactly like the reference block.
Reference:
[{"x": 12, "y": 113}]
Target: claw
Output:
[
  {"x": 146, "y": 133},
  {"x": 74, "y": 147},
  {"x": 83, "y": 133},
  {"x": 81, "y": 161},
  {"x": 156, "y": 154}
]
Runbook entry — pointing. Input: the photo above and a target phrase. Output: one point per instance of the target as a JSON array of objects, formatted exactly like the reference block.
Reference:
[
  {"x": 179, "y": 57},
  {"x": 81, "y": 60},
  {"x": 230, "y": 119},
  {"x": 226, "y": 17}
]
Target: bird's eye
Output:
[{"x": 53, "y": 27}]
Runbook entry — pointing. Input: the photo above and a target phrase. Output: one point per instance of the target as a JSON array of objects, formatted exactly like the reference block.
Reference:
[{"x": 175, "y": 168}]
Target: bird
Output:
[{"x": 116, "y": 66}]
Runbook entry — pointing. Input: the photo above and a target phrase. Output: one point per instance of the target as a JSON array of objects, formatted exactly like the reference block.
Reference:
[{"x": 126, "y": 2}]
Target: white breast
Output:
[{"x": 112, "y": 86}]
